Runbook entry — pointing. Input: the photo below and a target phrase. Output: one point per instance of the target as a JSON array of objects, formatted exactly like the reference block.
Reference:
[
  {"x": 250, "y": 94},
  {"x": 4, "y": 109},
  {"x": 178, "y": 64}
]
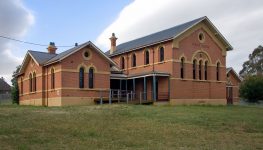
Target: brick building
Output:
[
  {"x": 232, "y": 86},
  {"x": 185, "y": 64}
]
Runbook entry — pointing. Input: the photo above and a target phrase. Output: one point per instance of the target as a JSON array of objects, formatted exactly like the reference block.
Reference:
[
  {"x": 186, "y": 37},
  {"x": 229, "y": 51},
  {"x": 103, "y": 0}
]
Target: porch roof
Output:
[{"x": 139, "y": 75}]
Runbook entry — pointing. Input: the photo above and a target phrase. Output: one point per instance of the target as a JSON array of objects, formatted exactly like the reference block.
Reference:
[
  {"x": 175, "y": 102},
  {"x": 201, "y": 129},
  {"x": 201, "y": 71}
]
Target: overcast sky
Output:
[{"x": 66, "y": 22}]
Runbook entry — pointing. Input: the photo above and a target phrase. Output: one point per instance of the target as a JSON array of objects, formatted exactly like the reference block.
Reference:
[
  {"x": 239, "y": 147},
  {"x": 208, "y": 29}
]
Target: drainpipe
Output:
[
  {"x": 153, "y": 60},
  {"x": 127, "y": 66},
  {"x": 47, "y": 87}
]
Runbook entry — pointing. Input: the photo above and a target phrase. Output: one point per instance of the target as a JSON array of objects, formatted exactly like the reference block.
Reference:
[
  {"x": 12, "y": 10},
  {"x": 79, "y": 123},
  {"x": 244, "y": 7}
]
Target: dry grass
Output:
[{"x": 131, "y": 127}]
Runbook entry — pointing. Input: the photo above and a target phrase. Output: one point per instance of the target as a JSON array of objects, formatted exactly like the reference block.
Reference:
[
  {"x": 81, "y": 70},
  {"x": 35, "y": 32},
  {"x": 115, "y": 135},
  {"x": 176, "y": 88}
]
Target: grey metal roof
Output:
[
  {"x": 155, "y": 37},
  {"x": 41, "y": 57},
  {"x": 67, "y": 52},
  {"x": 228, "y": 69},
  {"x": 76, "y": 48},
  {"x": 4, "y": 86}
]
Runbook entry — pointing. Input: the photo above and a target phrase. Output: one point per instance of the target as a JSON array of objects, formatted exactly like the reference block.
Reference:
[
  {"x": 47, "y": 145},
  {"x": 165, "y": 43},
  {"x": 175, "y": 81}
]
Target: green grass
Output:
[{"x": 131, "y": 127}]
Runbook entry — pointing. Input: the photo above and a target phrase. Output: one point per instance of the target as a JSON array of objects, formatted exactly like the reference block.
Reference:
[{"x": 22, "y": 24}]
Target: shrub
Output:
[{"x": 251, "y": 88}]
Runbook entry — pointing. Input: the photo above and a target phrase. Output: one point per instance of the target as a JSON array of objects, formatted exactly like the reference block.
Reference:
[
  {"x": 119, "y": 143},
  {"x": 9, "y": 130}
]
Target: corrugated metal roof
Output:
[
  {"x": 41, "y": 57},
  {"x": 155, "y": 37}
]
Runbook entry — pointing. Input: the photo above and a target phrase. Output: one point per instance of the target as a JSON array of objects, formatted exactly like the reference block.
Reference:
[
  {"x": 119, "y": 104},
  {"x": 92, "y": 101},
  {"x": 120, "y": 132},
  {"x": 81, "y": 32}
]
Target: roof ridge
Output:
[
  {"x": 40, "y": 52},
  {"x": 164, "y": 29}
]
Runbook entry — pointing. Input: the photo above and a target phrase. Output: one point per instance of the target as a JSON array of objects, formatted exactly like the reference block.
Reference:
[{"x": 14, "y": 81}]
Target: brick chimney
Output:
[
  {"x": 52, "y": 48},
  {"x": 113, "y": 40}
]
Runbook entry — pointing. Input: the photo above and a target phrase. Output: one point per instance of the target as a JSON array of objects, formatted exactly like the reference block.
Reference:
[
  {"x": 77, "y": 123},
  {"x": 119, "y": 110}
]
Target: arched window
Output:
[
  {"x": 122, "y": 63},
  {"x": 147, "y": 58},
  {"x": 133, "y": 60},
  {"x": 200, "y": 70},
  {"x": 81, "y": 77},
  {"x": 34, "y": 82},
  {"x": 30, "y": 83},
  {"x": 91, "y": 78},
  {"x": 161, "y": 54},
  {"x": 182, "y": 68},
  {"x": 22, "y": 88},
  {"x": 194, "y": 69},
  {"x": 52, "y": 79},
  {"x": 217, "y": 71},
  {"x": 206, "y": 63}
]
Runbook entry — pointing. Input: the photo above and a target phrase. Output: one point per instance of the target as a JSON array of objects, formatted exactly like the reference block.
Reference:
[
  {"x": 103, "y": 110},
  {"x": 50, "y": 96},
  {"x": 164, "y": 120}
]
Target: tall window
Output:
[
  {"x": 206, "y": 63},
  {"x": 194, "y": 69},
  {"x": 81, "y": 77},
  {"x": 122, "y": 63},
  {"x": 133, "y": 60},
  {"x": 22, "y": 90},
  {"x": 182, "y": 68},
  {"x": 161, "y": 54},
  {"x": 200, "y": 70},
  {"x": 34, "y": 82},
  {"x": 147, "y": 58},
  {"x": 52, "y": 79},
  {"x": 91, "y": 78},
  {"x": 217, "y": 71},
  {"x": 30, "y": 83}
]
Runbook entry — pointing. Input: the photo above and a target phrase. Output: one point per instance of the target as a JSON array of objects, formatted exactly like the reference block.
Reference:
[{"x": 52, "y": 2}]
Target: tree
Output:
[
  {"x": 254, "y": 66},
  {"x": 252, "y": 88},
  {"x": 15, "y": 90}
]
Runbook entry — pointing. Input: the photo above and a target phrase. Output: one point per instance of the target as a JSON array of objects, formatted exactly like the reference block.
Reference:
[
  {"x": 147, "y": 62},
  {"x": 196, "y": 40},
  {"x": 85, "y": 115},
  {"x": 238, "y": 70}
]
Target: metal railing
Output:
[{"x": 116, "y": 95}]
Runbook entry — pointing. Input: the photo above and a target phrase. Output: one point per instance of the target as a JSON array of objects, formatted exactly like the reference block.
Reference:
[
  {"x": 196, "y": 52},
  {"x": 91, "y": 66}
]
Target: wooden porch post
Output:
[
  {"x": 120, "y": 84},
  {"x": 144, "y": 89},
  {"x": 126, "y": 85},
  {"x": 133, "y": 80},
  {"x": 154, "y": 88},
  {"x": 169, "y": 88}
]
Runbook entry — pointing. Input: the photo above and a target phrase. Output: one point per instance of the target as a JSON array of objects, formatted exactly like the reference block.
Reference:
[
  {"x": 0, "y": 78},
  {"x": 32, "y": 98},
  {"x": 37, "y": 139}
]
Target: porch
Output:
[{"x": 138, "y": 89}]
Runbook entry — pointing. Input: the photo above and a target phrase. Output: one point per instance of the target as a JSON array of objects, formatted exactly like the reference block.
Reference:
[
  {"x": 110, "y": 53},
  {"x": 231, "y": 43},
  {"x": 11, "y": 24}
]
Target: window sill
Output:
[
  {"x": 85, "y": 89},
  {"x": 146, "y": 65},
  {"x": 161, "y": 62},
  {"x": 197, "y": 80}
]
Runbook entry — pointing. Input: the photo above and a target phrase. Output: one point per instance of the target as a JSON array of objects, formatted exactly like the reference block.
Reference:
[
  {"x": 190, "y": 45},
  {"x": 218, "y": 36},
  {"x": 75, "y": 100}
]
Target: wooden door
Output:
[{"x": 229, "y": 95}]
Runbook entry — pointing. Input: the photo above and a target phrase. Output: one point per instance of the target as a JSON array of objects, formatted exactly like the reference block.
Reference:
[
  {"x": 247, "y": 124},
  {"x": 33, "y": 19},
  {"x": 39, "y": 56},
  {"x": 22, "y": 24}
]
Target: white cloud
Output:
[
  {"x": 240, "y": 21},
  {"x": 15, "y": 20}
]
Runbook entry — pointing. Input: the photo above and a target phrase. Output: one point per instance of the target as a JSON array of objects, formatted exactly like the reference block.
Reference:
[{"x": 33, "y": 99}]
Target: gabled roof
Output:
[
  {"x": 231, "y": 69},
  {"x": 42, "y": 58},
  {"x": 4, "y": 86},
  {"x": 69, "y": 52},
  {"x": 162, "y": 36}
]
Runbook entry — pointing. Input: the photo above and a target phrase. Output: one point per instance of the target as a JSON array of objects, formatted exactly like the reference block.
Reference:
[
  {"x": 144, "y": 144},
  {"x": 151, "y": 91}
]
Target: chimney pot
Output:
[
  {"x": 113, "y": 40},
  {"x": 76, "y": 44},
  {"x": 52, "y": 48}
]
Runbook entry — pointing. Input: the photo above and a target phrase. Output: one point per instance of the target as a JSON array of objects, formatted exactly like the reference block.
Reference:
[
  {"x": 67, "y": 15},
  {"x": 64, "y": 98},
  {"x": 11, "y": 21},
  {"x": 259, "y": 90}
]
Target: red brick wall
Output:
[
  {"x": 234, "y": 84},
  {"x": 67, "y": 77},
  {"x": 188, "y": 46},
  {"x": 31, "y": 68},
  {"x": 154, "y": 63},
  {"x": 70, "y": 79}
]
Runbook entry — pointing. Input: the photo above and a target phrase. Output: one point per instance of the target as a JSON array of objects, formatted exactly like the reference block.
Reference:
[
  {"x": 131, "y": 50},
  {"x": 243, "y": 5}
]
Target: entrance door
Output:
[{"x": 229, "y": 95}]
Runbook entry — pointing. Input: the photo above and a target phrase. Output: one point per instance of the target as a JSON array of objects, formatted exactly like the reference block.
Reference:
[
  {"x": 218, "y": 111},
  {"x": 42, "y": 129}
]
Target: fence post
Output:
[
  {"x": 110, "y": 97},
  {"x": 127, "y": 98},
  {"x": 101, "y": 102}
]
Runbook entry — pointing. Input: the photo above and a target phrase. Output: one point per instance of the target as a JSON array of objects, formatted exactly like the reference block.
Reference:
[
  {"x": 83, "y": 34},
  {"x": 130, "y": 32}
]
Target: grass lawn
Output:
[{"x": 131, "y": 127}]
